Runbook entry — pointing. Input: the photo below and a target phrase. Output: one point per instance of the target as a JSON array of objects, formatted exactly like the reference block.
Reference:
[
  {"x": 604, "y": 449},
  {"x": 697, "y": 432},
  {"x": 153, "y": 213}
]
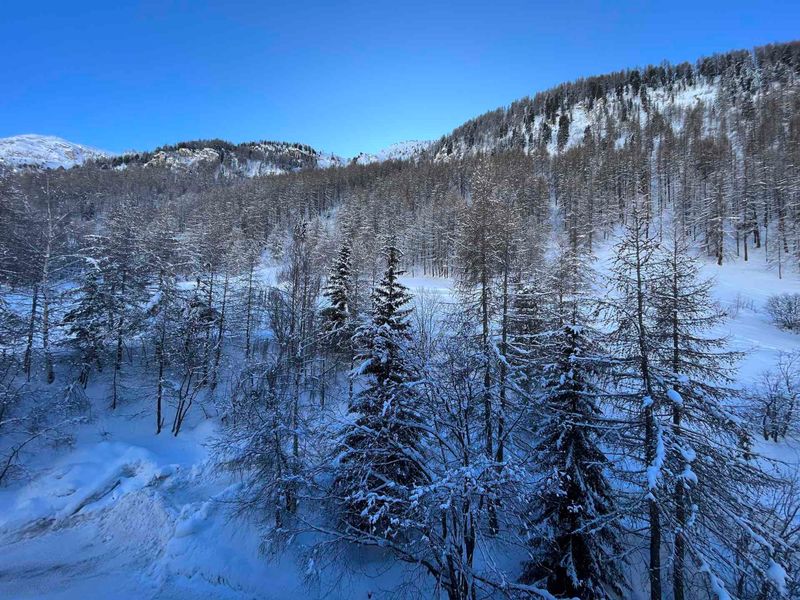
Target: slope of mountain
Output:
[
  {"x": 628, "y": 100},
  {"x": 250, "y": 159},
  {"x": 45, "y": 152}
]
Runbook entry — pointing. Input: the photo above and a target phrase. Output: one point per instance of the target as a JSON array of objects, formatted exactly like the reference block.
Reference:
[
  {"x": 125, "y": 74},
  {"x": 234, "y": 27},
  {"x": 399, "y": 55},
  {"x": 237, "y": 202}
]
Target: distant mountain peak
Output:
[{"x": 45, "y": 152}]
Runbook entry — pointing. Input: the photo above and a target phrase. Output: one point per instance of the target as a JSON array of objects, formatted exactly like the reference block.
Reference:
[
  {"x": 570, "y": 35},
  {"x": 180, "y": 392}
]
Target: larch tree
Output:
[
  {"x": 710, "y": 479},
  {"x": 481, "y": 258},
  {"x": 631, "y": 314}
]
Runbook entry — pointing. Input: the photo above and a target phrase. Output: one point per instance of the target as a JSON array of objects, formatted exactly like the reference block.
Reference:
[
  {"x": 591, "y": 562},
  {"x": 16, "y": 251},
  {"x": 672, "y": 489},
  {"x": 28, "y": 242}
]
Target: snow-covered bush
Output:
[
  {"x": 9, "y": 398},
  {"x": 784, "y": 309},
  {"x": 741, "y": 303},
  {"x": 777, "y": 396}
]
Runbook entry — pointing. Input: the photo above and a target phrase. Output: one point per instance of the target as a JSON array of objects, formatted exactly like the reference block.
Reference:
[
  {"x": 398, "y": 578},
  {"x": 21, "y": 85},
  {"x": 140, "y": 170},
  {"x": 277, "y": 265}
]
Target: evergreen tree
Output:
[
  {"x": 576, "y": 539},
  {"x": 337, "y": 317},
  {"x": 528, "y": 322},
  {"x": 87, "y": 326},
  {"x": 378, "y": 465}
]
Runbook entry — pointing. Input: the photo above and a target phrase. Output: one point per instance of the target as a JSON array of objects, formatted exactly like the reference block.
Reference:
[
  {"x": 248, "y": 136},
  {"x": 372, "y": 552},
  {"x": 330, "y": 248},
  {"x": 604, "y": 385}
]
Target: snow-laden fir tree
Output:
[
  {"x": 337, "y": 317},
  {"x": 87, "y": 326},
  {"x": 528, "y": 322},
  {"x": 575, "y": 535},
  {"x": 379, "y": 464}
]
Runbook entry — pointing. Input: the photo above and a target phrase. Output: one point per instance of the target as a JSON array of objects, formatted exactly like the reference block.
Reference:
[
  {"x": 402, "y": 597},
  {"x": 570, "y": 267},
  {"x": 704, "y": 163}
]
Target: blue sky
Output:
[{"x": 340, "y": 76}]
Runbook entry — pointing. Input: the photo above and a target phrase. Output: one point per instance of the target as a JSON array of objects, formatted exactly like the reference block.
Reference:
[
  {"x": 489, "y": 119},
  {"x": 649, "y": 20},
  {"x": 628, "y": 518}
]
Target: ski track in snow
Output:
[{"x": 128, "y": 514}]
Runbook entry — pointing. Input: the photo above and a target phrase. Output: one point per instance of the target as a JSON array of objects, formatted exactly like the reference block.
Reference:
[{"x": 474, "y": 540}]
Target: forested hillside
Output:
[{"x": 568, "y": 419}]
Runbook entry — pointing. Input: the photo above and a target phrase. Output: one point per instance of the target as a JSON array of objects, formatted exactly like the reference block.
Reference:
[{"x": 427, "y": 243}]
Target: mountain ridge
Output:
[
  {"x": 551, "y": 120},
  {"x": 247, "y": 159}
]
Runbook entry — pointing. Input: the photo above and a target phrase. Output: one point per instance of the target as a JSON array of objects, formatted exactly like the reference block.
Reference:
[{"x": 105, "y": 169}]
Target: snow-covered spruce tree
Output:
[
  {"x": 528, "y": 321},
  {"x": 441, "y": 527},
  {"x": 378, "y": 465},
  {"x": 87, "y": 326},
  {"x": 339, "y": 319},
  {"x": 337, "y": 322},
  {"x": 575, "y": 536}
]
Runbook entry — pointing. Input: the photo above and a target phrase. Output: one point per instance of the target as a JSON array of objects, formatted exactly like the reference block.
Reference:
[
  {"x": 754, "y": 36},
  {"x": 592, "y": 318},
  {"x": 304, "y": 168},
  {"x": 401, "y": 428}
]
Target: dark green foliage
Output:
[{"x": 378, "y": 466}]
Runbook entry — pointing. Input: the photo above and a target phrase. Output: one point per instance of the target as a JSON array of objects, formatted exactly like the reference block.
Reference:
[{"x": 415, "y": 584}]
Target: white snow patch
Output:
[{"x": 45, "y": 152}]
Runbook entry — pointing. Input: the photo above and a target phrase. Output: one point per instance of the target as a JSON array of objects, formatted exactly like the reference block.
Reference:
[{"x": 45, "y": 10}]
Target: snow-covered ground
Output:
[{"x": 124, "y": 513}]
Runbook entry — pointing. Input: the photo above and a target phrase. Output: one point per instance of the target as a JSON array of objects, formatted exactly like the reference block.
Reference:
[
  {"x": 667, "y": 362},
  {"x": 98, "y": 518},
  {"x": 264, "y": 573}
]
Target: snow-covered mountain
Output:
[
  {"x": 616, "y": 107},
  {"x": 408, "y": 150},
  {"x": 249, "y": 159},
  {"x": 45, "y": 152}
]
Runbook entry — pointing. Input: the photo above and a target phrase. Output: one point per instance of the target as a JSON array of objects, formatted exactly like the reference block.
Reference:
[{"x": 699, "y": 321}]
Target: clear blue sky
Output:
[{"x": 340, "y": 76}]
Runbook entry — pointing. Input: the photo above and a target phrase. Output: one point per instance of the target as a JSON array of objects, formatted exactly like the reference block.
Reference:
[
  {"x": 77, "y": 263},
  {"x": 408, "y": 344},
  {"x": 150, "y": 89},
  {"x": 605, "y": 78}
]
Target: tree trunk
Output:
[
  {"x": 680, "y": 500},
  {"x": 31, "y": 329},
  {"x": 503, "y": 371},
  {"x": 220, "y": 333},
  {"x": 118, "y": 354},
  {"x": 650, "y": 441},
  {"x": 249, "y": 321},
  {"x": 48, "y": 360}
]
